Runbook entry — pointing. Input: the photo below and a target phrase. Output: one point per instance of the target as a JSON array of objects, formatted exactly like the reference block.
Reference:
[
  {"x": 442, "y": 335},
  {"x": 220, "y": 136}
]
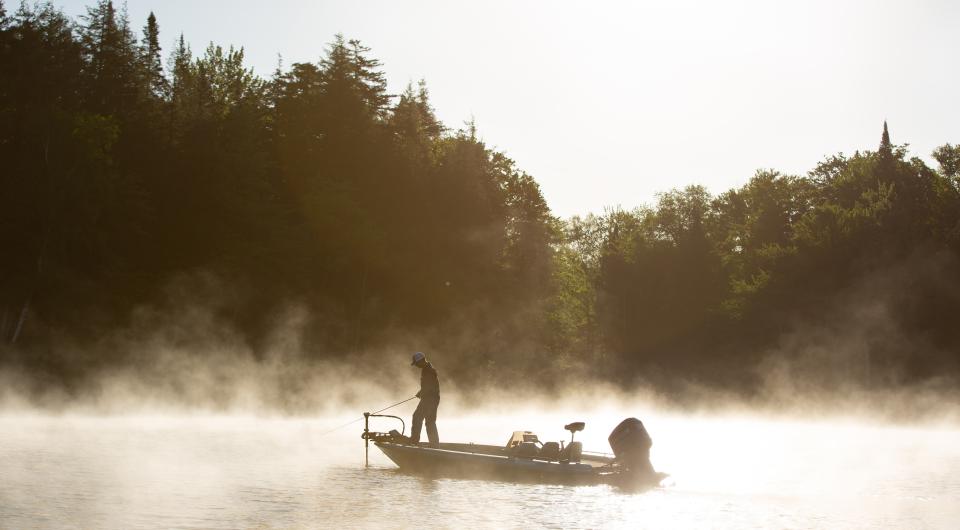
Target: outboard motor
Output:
[{"x": 631, "y": 445}]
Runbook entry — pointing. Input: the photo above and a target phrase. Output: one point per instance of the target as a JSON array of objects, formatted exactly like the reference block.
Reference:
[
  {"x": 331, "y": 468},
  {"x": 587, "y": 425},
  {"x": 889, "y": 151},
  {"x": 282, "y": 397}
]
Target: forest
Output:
[{"x": 138, "y": 191}]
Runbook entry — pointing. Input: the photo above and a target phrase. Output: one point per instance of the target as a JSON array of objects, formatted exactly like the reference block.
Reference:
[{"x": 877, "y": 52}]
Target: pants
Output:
[{"x": 426, "y": 410}]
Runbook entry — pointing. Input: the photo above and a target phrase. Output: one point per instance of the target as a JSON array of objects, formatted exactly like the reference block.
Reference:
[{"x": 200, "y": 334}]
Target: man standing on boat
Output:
[{"x": 429, "y": 395}]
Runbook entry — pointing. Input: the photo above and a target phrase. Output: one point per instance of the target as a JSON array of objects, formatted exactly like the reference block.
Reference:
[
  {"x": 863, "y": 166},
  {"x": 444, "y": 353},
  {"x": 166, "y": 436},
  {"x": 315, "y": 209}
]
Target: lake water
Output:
[{"x": 246, "y": 472}]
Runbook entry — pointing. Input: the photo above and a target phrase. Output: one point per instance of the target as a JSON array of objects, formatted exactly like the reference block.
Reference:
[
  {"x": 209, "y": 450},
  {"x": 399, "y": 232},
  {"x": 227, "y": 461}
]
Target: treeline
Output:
[
  {"x": 315, "y": 188},
  {"x": 847, "y": 276},
  {"x": 130, "y": 183}
]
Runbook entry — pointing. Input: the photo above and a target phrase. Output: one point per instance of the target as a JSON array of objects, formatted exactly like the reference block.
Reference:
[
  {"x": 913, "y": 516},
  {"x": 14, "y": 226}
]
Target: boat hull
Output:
[{"x": 484, "y": 462}]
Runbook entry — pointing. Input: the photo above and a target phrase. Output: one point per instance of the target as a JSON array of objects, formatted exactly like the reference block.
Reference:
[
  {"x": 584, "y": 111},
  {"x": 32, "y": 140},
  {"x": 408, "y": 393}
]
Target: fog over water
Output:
[
  {"x": 210, "y": 435},
  {"x": 202, "y": 433},
  {"x": 209, "y": 275},
  {"x": 728, "y": 470}
]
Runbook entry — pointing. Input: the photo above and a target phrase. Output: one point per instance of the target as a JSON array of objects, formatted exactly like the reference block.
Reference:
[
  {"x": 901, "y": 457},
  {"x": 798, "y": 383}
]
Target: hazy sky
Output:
[{"x": 608, "y": 103}]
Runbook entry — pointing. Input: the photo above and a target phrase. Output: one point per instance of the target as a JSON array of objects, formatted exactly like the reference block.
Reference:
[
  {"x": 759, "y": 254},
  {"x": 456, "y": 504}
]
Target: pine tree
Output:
[
  {"x": 110, "y": 51},
  {"x": 886, "y": 165},
  {"x": 351, "y": 79},
  {"x": 886, "y": 149},
  {"x": 431, "y": 125},
  {"x": 414, "y": 125},
  {"x": 371, "y": 81},
  {"x": 150, "y": 58},
  {"x": 180, "y": 66},
  {"x": 181, "y": 70}
]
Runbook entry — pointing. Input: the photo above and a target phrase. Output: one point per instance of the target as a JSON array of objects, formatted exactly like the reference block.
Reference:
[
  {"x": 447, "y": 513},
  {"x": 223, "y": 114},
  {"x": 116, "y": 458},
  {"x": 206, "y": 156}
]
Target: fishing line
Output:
[{"x": 361, "y": 417}]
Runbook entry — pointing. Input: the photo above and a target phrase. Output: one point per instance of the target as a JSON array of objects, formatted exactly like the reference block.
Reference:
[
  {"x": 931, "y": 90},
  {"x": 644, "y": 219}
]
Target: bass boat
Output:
[{"x": 524, "y": 458}]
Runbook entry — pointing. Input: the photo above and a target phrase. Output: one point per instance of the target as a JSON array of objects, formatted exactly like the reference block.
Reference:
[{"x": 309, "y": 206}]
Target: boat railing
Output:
[{"x": 600, "y": 453}]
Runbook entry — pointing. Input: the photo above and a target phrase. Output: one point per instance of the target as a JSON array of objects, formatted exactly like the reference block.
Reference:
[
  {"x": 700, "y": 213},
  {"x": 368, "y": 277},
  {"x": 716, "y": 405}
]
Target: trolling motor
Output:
[{"x": 368, "y": 435}]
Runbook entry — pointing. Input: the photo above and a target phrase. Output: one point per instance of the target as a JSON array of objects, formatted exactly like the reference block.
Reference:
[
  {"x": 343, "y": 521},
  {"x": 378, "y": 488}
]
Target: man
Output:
[{"x": 429, "y": 395}]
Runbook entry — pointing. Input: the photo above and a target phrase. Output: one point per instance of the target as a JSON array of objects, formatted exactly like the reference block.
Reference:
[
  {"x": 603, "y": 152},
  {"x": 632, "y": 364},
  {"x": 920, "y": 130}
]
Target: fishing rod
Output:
[{"x": 364, "y": 416}]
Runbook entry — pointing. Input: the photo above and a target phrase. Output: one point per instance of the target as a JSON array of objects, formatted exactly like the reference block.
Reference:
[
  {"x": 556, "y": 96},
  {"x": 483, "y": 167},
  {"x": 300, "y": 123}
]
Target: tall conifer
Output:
[
  {"x": 150, "y": 58},
  {"x": 110, "y": 51},
  {"x": 886, "y": 165},
  {"x": 885, "y": 148}
]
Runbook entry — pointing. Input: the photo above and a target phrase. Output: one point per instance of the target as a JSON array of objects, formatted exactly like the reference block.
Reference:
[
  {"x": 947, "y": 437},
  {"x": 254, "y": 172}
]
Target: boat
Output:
[{"x": 524, "y": 458}]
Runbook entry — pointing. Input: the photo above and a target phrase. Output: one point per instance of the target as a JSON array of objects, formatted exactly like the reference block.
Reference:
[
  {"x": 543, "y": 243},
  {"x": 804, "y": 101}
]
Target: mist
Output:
[
  {"x": 185, "y": 359},
  {"x": 195, "y": 417},
  {"x": 208, "y": 276}
]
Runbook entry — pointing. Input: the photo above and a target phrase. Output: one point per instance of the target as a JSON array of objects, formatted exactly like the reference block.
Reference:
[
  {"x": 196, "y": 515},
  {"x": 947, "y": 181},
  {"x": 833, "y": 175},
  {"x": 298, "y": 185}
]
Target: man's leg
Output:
[
  {"x": 417, "y": 424},
  {"x": 431, "y": 417}
]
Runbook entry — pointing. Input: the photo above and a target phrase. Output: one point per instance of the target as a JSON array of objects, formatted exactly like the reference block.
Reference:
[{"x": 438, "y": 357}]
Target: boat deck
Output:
[{"x": 588, "y": 458}]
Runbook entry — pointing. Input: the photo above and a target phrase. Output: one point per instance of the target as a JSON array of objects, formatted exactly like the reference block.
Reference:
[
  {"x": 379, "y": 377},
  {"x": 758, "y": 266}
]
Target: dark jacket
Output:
[{"x": 429, "y": 382}]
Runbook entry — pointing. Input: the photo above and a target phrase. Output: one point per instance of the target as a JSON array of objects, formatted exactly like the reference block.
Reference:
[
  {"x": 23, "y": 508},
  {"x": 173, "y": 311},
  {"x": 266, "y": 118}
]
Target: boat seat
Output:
[
  {"x": 526, "y": 450},
  {"x": 572, "y": 452},
  {"x": 576, "y": 426},
  {"x": 550, "y": 451}
]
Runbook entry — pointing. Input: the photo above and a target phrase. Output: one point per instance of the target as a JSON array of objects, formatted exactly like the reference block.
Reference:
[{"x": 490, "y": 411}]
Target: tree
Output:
[
  {"x": 113, "y": 82},
  {"x": 948, "y": 156},
  {"x": 353, "y": 85},
  {"x": 886, "y": 148},
  {"x": 150, "y": 59},
  {"x": 39, "y": 68},
  {"x": 415, "y": 128},
  {"x": 756, "y": 229}
]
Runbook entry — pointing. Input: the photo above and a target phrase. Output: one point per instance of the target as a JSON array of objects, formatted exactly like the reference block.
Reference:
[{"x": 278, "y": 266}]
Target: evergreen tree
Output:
[
  {"x": 352, "y": 82},
  {"x": 113, "y": 84},
  {"x": 886, "y": 166},
  {"x": 371, "y": 81},
  {"x": 886, "y": 149},
  {"x": 181, "y": 89},
  {"x": 150, "y": 58},
  {"x": 415, "y": 128}
]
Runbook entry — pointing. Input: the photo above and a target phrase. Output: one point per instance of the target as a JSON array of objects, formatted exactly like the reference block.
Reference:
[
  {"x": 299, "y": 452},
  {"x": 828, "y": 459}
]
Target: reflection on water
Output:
[{"x": 230, "y": 472}]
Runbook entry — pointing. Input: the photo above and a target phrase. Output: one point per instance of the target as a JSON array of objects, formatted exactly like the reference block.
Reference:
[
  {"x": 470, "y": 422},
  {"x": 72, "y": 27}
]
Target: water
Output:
[{"x": 243, "y": 472}]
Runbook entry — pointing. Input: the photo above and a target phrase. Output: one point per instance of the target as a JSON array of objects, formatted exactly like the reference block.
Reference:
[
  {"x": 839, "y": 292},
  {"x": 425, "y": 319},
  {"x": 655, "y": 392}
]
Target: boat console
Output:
[{"x": 526, "y": 444}]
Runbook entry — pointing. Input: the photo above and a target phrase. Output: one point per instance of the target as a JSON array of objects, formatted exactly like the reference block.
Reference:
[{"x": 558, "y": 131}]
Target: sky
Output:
[{"x": 608, "y": 103}]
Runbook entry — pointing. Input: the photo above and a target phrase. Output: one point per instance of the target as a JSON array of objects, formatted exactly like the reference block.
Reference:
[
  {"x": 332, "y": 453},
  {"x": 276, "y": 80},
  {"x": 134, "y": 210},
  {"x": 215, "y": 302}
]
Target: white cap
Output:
[{"x": 417, "y": 357}]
